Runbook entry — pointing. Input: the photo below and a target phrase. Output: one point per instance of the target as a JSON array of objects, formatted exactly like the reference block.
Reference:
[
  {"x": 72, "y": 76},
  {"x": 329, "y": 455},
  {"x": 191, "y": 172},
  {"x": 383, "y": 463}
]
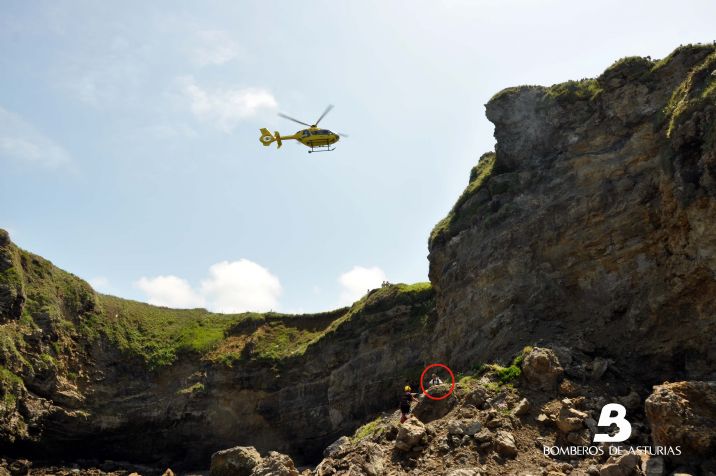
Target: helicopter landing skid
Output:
[{"x": 321, "y": 148}]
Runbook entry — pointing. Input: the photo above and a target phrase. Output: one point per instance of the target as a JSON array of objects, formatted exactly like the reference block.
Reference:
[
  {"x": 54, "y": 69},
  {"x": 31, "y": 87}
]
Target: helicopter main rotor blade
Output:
[
  {"x": 292, "y": 119},
  {"x": 328, "y": 109}
]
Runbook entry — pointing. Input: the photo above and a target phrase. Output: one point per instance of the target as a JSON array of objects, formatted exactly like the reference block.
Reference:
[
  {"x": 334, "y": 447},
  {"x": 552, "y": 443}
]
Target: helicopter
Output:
[{"x": 319, "y": 140}]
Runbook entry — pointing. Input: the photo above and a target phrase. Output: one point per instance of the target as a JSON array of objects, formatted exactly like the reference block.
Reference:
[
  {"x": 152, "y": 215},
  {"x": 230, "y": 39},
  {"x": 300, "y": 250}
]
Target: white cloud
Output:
[
  {"x": 170, "y": 291},
  {"x": 232, "y": 286},
  {"x": 357, "y": 281},
  {"x": 241, "y": 286},
  {"x": 224, "y": 108},
  {"x": 213, "y": 47},
  {"x": 22, "y": 142}
]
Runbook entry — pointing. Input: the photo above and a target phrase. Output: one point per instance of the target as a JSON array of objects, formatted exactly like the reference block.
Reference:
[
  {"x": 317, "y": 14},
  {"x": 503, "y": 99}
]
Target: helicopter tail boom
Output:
[{"x": 267, "y": 139}]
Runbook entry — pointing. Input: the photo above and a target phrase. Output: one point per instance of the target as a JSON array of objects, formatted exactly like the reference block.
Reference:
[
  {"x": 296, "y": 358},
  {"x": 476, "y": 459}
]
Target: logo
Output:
[{"x": 613, "y": 414}]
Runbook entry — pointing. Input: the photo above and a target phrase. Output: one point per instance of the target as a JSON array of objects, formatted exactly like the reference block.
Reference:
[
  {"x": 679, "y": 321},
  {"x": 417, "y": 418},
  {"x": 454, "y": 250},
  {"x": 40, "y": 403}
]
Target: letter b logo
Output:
[{"x": 606, "y": 419}]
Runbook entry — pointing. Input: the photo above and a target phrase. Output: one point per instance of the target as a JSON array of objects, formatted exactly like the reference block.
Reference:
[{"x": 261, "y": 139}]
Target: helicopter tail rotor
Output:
[{"x": 267, "y": 139}]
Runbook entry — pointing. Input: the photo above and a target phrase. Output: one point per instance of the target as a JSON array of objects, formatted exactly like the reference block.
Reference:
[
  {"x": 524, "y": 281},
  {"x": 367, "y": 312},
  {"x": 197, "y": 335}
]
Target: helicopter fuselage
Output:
[{"x": 315, "y": 137}]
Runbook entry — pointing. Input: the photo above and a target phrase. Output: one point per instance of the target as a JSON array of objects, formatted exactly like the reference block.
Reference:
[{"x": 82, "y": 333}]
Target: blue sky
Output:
[{"x": 129, "y": 150}]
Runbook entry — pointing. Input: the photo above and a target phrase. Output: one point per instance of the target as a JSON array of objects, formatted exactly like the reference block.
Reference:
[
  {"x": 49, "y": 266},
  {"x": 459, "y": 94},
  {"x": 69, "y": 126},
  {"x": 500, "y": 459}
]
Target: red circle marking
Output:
[{"x": 422, "y": 377}]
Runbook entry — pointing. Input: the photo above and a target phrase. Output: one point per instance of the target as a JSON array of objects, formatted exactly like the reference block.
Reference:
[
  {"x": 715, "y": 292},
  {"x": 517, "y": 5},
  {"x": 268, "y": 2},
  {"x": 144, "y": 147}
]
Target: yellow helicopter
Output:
[{"x": 319, "y": 140}]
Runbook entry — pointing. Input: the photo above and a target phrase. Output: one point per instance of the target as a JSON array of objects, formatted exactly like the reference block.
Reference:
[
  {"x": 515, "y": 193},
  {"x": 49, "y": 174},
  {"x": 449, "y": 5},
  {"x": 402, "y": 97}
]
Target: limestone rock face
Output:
[
  {"x": 684, "y": 414},
  {"x": 237, "y": 461},
  {"x": 591, "y": 225}
]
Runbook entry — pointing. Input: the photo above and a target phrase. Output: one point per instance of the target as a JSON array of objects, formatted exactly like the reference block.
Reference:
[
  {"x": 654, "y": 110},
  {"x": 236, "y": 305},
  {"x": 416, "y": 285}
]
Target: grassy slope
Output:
[
  {"x": 157, "y": 335},
  {"x": 278, "y": 336}
]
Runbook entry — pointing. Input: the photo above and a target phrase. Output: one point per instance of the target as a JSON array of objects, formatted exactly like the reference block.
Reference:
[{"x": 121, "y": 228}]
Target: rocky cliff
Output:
[
  {"x": 592, "y": 223},
  {"x": 91, "y": 376},
  {"x": 589, "y": 230}
]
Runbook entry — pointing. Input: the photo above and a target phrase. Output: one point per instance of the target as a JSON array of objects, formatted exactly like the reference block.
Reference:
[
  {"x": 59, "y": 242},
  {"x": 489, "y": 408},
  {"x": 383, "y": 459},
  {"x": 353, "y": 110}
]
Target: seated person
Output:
[{"x": 434, "y": 380}]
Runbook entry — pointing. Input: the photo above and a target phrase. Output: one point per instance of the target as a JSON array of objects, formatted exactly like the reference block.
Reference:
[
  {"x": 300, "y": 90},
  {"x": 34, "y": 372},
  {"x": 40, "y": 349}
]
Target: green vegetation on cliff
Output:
[
  {"x": 273, "y": 337},
  {"x": 467, "y": 204},
  {"x": 575, "y": 90},
  {"x": 158, "y": 334},
  {"x": 695, "y": 99},
  {"x": 59, "y": 304}
]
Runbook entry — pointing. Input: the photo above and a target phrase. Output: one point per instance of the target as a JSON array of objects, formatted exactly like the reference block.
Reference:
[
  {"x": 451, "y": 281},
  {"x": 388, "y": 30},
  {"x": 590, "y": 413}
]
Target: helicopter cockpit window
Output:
[
  {"x": 306, "y": 133},
  {"x": 322, "y": 132}
]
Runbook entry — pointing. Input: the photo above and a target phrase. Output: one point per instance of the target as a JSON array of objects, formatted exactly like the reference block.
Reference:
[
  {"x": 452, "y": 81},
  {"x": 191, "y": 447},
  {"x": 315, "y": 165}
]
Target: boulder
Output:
[
  {"x": 325, "y": 468},
  {"x": 623, "y": 465},
  {"x": 477, "y": 396},
  {"x": 505, "y": 444},
  {"x": 568, "y": 388},
  {"x": 464, "y": 427},
  {"x": 570, "y": 419},
  {"x": 483, "y": 436},
  {"x": 541, "y": 369},
  {"x": 654, "y": 466},
  {"x": 464, "y": 472},
  {"x": 338, "y": 447},
  {"x": 599, "y": 368},
  {"x": 631, "y": 401},
  {"x": 427, "y": 410},
  {"x": 236, "y": 461},
  {"x": 684, "y": 414},
  {"x": 612, "y": 469},
  {"x": 373, "y": 463},
  {"x": 275, "y": 464},
  {"x": 410, "y": 434},
  {"x": 580, "y": 438},
  {"x": 20, "y": 467},
  {"x": 522, "y": 407}
]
